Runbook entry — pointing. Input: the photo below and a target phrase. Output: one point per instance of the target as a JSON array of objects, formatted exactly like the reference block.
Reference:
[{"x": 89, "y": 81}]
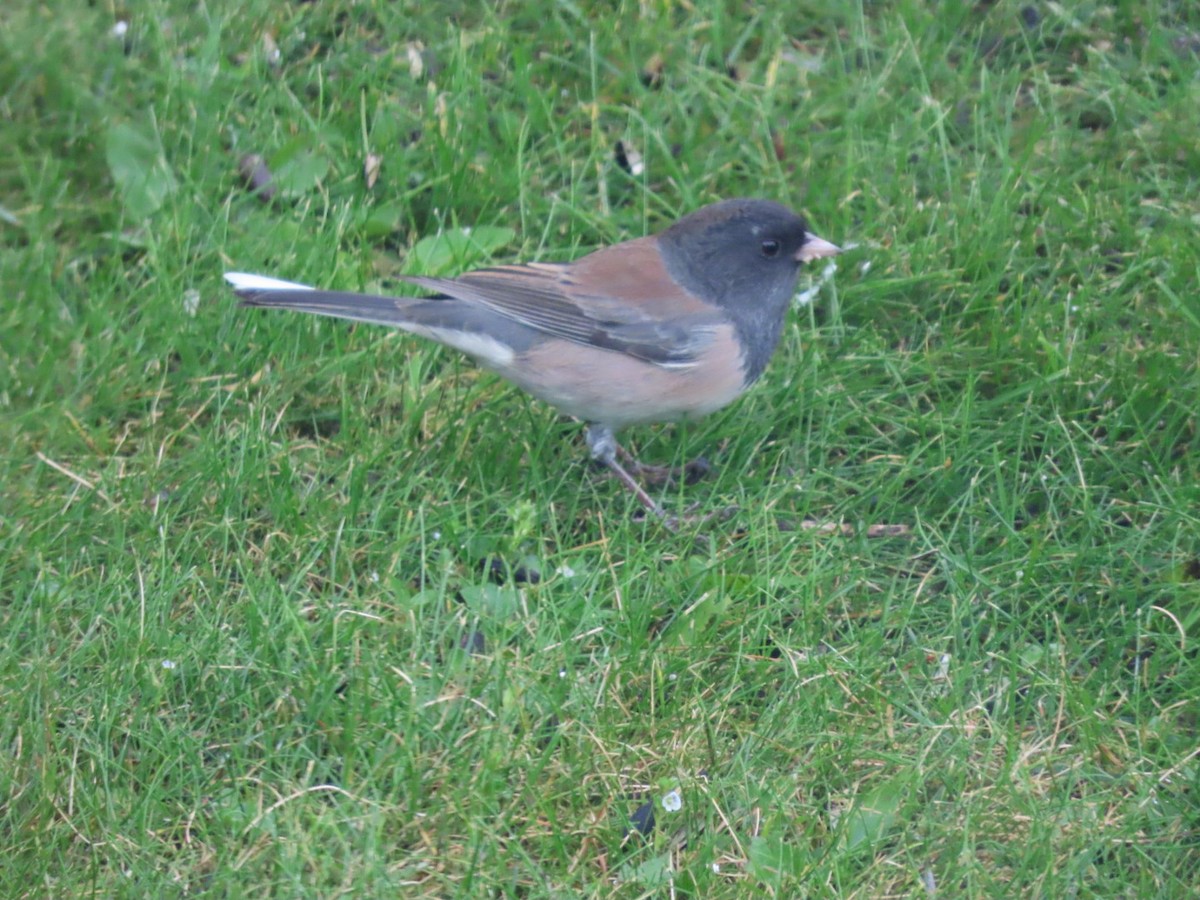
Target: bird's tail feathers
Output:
[{"x": 272, "y": 293}]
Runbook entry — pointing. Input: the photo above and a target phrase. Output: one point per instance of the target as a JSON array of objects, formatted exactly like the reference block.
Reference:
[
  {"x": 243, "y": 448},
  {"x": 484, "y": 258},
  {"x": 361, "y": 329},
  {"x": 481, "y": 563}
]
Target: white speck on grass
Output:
[
  {"x": 809, "y": 294},
  {"x": 565, "y": 571},
  {"x": 672, "y": 802},
  {"x": 416, "y": 62},
  {"x": 120, "y": 29},
  {"x": 943, "y": 669},
  {"x": 168, "y": 663},
  {"x": 930, "y": 881},
  {"x": 271, "y": 49},
  {"x": 806, "y": 62}
]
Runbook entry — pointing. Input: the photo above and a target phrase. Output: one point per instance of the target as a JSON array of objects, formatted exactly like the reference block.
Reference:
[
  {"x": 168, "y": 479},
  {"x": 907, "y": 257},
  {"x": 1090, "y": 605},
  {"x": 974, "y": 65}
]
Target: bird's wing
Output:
[{"x": 621, "y": 298}]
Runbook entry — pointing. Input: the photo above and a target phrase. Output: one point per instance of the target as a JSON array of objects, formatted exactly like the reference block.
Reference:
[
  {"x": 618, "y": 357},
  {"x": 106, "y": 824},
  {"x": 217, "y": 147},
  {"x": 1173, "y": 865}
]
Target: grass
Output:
[{"x": 298, "y": 608}]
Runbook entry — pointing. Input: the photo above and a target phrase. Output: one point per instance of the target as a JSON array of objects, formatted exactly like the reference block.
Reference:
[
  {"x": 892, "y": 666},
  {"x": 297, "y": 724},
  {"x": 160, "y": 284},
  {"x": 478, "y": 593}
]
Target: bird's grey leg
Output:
[{"x": 604, "y": 448}]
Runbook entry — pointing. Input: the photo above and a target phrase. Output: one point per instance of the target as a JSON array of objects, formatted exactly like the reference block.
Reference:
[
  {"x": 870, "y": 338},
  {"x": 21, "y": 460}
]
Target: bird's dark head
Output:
[{"x": 744, "y": 256}]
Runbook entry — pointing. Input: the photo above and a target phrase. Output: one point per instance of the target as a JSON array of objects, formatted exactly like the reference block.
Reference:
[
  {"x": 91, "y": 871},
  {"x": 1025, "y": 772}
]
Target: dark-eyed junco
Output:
[{"x": 664, "y": 327}]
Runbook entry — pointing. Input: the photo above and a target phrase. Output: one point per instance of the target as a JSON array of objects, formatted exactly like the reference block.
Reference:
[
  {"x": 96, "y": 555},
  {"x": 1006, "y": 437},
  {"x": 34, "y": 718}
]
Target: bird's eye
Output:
[{"x": 770, "y": 248}]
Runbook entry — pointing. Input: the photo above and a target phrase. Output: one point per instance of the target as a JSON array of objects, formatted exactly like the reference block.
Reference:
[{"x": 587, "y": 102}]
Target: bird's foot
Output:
[
  {"x": 689, "y": 473},
  {"x": 657, "y": 476}
]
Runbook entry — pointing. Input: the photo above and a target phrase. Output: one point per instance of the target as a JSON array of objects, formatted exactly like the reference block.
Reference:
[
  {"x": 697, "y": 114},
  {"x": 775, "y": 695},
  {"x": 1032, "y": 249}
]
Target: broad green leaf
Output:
[
  {"x": 772, "y": 859},
  {"x": 454, "y": 250},
  {"x": 491, "y": 600},
  {"x": 139, "y": 168},
  {"x": 693, "y": 625},
  {"x": 654, "y": 872},
  {"x": 382, "y": 219},
  {"x": 298, "y": 166},
  {"x": 873, "y": 815}
]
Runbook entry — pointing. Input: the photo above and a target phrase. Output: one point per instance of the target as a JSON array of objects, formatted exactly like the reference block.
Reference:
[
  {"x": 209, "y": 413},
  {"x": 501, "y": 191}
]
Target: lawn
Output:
[{"x": 293, "y": 607}]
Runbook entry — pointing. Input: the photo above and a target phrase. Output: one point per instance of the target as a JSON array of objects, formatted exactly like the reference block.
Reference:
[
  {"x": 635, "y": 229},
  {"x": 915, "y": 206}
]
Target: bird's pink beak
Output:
[{"x": 816, "y": 248}]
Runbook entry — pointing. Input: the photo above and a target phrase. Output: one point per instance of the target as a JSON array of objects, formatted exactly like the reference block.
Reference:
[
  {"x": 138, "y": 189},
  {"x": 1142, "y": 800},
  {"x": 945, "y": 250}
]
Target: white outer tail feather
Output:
[{"x": 245, "y": 282}]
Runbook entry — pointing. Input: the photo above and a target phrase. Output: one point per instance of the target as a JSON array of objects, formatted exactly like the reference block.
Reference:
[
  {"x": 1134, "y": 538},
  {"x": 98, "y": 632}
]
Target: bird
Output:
[{"x": 671, "y": 326}]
